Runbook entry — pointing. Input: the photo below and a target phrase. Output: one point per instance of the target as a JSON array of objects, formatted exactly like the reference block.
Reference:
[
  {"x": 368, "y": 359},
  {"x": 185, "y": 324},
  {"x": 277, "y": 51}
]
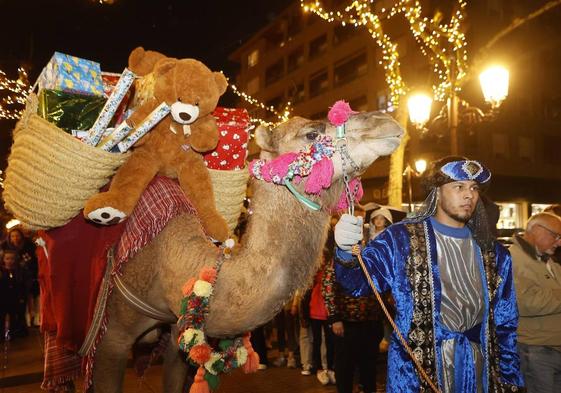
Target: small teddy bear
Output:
[{"x": 172, "y": 148}]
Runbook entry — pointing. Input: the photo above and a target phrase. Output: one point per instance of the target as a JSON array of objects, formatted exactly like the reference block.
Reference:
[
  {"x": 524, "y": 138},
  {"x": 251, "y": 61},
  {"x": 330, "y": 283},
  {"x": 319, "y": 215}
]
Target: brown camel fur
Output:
[{"x": 278, "y": 255}]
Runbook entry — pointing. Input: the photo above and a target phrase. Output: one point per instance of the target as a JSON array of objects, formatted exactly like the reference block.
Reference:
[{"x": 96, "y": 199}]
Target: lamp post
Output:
[
  {"x": 494, "y": 85},
  {"x": 420, "y": 167}
]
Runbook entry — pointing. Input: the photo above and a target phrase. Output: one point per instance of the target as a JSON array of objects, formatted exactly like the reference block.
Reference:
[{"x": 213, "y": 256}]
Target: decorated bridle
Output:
[{"x": 313, "y": 165}]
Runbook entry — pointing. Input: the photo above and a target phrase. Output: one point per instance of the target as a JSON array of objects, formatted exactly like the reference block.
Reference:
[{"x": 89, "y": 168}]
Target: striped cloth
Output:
[{"x": 162, "y": 200}]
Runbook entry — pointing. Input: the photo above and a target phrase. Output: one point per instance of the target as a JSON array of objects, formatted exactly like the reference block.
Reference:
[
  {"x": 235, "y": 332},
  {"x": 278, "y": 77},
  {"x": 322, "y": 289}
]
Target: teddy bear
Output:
[{"x": 173, "y": 147}]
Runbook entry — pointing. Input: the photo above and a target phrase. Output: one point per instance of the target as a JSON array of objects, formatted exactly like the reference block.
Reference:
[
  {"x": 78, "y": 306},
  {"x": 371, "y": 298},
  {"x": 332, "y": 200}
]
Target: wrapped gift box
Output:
[
  {"x": 109, "y": 82},
  {"x": 231, "y": 152},
  {"x": 72, "y": 74},
  {"x": 69, "y": 111}
]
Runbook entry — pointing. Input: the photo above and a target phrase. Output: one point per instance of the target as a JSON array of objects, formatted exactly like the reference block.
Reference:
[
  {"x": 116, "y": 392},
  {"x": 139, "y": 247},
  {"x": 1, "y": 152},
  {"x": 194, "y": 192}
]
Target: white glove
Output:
[{"x": 348, "y": 232}]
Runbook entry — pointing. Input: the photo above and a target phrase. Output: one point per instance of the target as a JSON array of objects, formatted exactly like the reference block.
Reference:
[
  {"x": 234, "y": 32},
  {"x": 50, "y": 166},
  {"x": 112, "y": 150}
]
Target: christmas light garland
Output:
[
  {"x": 443, "y": 44},
  {"x": 14, "y": 92},
  {"x": 282, "y": 116}
]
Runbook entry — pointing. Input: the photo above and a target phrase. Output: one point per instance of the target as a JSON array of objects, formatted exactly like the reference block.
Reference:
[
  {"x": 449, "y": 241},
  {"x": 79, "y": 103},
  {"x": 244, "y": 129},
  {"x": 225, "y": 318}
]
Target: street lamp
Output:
[
  {"x": 420, "y": 167},
  {"x": 494, "y": 85}
]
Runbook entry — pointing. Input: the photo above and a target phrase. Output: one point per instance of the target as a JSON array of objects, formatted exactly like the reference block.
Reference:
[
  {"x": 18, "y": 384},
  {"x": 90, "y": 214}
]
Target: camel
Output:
[{"x": 278, "y": 254}]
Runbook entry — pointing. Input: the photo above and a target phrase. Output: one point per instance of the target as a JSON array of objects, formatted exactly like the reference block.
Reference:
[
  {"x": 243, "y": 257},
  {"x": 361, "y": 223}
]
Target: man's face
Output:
[
  {"x": 546, "y": 236},
  {"x": 458, "y": 199}
]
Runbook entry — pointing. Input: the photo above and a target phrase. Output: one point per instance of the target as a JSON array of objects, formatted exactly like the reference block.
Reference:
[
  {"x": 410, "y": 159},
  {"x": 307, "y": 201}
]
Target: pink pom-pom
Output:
[
  {"x": 279, "y": 166},
  {"x": 188, "y": 287},
  {"x": 320, "y": 176},
  {"x": 208, "y": 274},
  {"x": 340, "y": 113}
]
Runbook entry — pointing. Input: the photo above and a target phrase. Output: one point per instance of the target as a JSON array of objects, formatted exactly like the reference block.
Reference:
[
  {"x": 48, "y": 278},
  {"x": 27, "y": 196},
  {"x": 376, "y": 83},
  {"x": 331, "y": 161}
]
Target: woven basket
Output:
[
  {"x": 229, "y": 192},
  {"x": 51, "y": 174}
]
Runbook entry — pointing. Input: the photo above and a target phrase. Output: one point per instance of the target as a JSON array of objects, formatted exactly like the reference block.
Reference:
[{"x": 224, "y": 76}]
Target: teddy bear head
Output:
[{"x": 189, "y": 87}]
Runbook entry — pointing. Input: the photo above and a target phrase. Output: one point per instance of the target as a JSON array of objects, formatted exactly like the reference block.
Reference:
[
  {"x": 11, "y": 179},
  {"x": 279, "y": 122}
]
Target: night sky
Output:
[{"x": 208, "y": 30}]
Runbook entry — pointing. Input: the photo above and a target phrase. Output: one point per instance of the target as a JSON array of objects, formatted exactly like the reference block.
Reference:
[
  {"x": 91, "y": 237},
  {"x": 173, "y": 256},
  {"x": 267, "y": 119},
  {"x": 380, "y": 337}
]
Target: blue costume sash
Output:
[{"x": 464, "y": 362}]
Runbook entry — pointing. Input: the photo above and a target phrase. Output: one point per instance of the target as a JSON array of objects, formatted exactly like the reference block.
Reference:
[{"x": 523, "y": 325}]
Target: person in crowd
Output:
[
  {"x": 380, "y": 219},
  {"x": 319, "y": 324},
  {"x": 305, "y": 334},
  {"x": 537, "y": 281},
  {"x": 286, "y": 323},
  {"x": 25, "y": 248},
  {"x": 356, "y": 323},
  {"x": 13, "y": 296},
  {"x": 555, "y": 209},
  {"x": 452, "y": 284}
]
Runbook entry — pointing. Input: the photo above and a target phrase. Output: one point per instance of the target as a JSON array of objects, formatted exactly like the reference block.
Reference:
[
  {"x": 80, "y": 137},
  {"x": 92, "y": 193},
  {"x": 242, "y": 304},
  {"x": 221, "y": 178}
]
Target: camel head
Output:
[{"x": 368, "y": 135}]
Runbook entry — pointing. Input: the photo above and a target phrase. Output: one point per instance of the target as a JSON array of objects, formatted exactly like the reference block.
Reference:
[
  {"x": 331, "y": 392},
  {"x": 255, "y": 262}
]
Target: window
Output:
[
  {"x": 359, "y": 104},
  {"x": 319, "y": 83},
  {"x": 526, "y": 149},
  {"x": 297, "y": 94},
  {"x": 294, "y": 24},
  {"x": 509, "y": 216},
  {"x": 343, "y": 33},
  {"x": 253, "y": 58},
  {"x": 348, "y": 70},
  {"x": 551, "y": 149},
  {"x": 318, "y": 46},
  {"x": 274, "y": 38},
  {"x": 500, "y": 146},
  {"x": 295, "y": 59},
  {"x": 253, "y": 85},
  {"x": 274, "y": 72}
]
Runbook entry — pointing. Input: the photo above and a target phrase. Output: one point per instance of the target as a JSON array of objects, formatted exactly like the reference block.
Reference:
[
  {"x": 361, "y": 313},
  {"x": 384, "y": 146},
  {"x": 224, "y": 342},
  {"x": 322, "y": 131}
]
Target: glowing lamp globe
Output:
[
  {"x": 494, "y": 84},
  {"x": 419, "y": 106},
  {"x": 420, "y": 166}
]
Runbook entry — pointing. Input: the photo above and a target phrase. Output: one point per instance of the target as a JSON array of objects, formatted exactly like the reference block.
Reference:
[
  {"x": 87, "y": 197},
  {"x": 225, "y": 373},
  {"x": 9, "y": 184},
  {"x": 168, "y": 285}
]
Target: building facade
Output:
[{"x": 301, "y": 59}]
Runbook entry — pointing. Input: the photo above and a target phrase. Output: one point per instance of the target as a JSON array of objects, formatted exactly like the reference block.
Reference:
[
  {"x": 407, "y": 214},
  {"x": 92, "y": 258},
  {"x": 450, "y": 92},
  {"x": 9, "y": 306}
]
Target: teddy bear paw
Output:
[{"x": 106, "y": 216}]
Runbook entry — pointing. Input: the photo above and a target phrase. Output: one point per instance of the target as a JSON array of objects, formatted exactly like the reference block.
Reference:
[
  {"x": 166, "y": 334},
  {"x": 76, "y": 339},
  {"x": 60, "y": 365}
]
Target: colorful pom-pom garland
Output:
[{"x": 211, "y": 356}]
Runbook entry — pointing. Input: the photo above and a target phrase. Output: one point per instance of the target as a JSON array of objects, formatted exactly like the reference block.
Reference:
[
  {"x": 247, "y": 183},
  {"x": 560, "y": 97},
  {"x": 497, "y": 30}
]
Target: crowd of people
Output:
[{"x": 19, "y": 285}]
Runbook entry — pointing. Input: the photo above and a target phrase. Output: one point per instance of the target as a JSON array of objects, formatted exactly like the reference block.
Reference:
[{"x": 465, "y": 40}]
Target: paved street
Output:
[{"x": 21, "y": 372}]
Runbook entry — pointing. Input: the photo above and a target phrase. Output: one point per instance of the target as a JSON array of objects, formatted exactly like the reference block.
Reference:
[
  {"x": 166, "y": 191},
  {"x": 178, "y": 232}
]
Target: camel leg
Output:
[
  {"x": 111, "y": 360},
  {"x": 197, "y": 186},
  {"x": 175, "y": 368}
]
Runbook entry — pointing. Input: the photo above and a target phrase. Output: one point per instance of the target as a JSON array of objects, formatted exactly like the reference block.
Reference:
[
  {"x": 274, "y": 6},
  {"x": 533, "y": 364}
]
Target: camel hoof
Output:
[{"x": 106, "y": 216}]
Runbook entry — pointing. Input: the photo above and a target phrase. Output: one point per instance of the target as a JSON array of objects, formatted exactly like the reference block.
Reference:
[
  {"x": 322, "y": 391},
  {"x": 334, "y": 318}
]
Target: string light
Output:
[
  {"x": 283, "y": 116},
  {"x": 14, "y": 93},
  {"x": 443, "y": 44}
]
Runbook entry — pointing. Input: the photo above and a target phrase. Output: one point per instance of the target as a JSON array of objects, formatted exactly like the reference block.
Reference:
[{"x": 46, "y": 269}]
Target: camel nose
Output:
[{"x": 184, "y": 116}]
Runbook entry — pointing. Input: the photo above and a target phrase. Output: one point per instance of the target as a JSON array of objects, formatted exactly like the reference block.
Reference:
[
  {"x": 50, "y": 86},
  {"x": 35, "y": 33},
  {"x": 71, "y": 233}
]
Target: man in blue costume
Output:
[{"x": 452, "y": 283}]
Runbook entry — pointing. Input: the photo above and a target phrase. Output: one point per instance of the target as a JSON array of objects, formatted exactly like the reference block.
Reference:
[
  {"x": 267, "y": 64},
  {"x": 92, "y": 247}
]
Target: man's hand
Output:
[
  {"x": 348, "y": 232},
  {"x": 338, "y": 329}
]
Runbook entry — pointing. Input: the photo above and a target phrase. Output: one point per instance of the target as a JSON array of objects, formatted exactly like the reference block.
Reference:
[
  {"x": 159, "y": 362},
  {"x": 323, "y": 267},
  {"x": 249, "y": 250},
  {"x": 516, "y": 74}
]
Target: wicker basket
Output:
[
  {"x": 229, "y": 192},
  {"x": 51, "y": 174}
]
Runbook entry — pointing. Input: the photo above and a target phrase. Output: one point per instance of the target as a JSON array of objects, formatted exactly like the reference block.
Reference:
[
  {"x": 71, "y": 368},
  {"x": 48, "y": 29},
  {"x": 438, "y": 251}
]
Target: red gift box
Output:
[{"x": 231, "y": 151}]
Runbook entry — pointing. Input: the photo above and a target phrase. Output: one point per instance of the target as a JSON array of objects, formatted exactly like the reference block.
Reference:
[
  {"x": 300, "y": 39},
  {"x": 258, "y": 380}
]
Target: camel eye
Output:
[
  {"x": 312, "y": 135},
  {"x": 178, "y": 99}
]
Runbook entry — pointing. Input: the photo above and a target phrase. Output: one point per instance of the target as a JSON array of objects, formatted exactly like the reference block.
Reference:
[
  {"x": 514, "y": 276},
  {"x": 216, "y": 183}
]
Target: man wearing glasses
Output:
[{"x": 537, "y": 281}]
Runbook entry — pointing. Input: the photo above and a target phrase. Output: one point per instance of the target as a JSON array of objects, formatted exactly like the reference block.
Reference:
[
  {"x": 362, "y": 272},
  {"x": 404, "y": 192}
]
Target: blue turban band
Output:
[{"x": 466, "y": 170}]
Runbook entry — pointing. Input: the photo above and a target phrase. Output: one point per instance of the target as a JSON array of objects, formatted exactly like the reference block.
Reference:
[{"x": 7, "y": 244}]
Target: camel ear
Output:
[
  {"x": 221, "y": 82},
  {"x": 264, "y": 139}
]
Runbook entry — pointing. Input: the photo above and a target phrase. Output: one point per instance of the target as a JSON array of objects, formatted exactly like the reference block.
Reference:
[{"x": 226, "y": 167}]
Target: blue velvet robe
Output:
[{"x": 385, "y": 258}]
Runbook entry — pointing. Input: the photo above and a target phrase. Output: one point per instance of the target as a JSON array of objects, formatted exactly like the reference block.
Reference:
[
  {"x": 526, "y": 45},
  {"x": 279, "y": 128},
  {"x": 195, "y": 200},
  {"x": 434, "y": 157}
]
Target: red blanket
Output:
[{"x": 73, "y": 261}]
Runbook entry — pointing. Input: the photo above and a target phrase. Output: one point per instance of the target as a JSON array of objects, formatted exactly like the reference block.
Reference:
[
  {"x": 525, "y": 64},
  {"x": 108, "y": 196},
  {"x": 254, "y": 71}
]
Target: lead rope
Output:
[{"x": 341, "y": 144}]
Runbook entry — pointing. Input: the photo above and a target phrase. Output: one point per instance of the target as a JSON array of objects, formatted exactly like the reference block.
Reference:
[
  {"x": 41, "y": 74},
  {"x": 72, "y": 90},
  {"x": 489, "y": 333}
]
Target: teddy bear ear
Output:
[
  {"x": 221, "y": 82},
  {"x": 165, "y": 66},
  {"x": 264, "y": 138}
]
